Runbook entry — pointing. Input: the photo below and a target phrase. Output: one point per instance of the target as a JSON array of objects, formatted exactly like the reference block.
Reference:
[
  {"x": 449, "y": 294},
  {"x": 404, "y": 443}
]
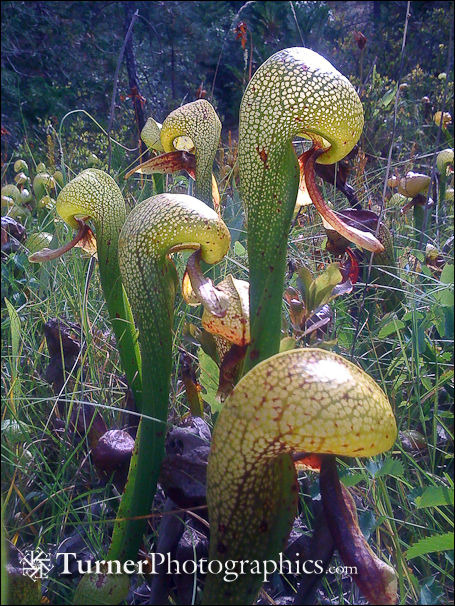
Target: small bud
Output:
[
  {"x": 11, "y": 191},
  {"x": 58, "y": 176},
  {"x": 20, "y": 166},
  {"x": 444, "y": 158},
  {"x": 21, "y": 178},
  {"x": 445, "y": 117},
  {"x": 413, "y": 184}
]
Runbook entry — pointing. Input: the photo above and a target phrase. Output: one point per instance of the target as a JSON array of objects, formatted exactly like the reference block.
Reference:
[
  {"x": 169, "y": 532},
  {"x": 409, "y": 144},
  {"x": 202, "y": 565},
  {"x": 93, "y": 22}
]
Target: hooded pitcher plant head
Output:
[
  {"x": 295, "y": 92},
  {"x": 94, "y": 195},
  {"x": 300, "y": 400},
  {"x": 154, "y": 229},
  {"x": 193, "y": 128}
]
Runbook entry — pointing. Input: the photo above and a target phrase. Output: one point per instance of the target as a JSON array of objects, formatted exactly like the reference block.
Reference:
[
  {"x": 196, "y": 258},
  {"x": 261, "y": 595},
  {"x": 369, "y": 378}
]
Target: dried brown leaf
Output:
[{"x": 375, "y": 578}]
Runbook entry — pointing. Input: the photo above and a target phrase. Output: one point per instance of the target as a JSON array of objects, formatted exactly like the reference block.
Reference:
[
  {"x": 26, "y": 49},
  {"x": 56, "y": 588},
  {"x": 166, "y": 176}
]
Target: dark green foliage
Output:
[{"x": 178, "y": 45}]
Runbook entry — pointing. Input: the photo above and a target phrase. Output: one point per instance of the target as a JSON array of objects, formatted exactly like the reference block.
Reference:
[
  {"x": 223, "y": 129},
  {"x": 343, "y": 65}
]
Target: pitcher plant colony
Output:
[{"x": 286, "y": 405}]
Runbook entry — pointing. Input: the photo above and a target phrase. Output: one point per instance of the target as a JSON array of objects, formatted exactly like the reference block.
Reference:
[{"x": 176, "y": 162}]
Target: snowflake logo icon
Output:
[{"x": 36, "y": 564}]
